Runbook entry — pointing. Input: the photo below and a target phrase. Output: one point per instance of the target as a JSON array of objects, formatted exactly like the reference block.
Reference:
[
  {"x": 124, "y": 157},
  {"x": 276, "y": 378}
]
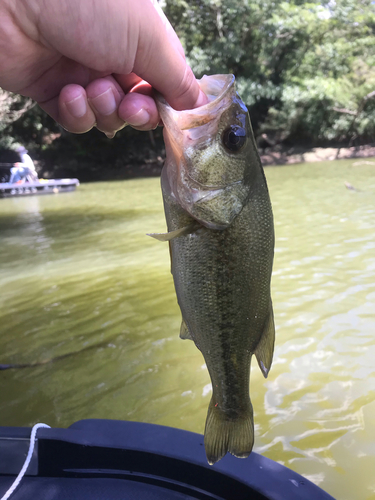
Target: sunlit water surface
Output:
[{"x": 79, "y": 275}]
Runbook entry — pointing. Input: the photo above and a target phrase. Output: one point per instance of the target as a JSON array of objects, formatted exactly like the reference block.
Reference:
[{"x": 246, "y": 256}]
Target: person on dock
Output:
[{"x": 23, "y": 170}]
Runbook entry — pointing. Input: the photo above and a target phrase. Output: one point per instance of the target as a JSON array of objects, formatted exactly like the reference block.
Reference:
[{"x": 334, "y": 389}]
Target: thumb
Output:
[{"x": 162, "y": 63}]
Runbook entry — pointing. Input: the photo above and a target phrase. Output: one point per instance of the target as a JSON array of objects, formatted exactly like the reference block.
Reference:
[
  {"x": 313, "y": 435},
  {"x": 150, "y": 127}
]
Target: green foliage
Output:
[
  {"x": 21, "y": 121},
  {"x": 297, "y": 62},
  {"x": 12, "y": 108}
]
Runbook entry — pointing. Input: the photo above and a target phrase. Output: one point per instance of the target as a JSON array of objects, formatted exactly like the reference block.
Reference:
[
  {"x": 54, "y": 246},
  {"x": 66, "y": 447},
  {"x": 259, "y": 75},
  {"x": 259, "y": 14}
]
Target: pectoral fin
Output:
[
  {"x": 264, "y": 349},
  {"x": 184, "y": 331},
  {"x": 183, "y": 231}
]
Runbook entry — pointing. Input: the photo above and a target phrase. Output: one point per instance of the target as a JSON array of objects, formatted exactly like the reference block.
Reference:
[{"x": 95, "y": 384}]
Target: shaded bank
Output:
[
  {"x": 285, "y": 156},
  {"x": 131, "y": 154},
  {"x": 152, "y": 165}
]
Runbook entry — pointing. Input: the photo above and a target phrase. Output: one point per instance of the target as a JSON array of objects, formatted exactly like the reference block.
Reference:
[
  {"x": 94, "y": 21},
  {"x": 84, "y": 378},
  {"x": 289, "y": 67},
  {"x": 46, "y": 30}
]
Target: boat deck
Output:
[
  {"x": 97, "y": 459},
  {"x": 52, "y": 186}
]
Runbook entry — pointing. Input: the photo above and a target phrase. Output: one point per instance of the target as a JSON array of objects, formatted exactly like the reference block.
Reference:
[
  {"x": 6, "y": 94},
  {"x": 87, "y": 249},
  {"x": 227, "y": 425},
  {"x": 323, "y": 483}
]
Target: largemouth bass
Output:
[{"x": 220, "y": 230}]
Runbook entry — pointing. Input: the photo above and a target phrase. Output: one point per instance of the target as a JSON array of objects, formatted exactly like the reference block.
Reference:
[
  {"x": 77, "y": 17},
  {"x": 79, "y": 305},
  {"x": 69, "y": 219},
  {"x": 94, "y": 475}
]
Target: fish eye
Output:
[{"x": 234, "y": 138}]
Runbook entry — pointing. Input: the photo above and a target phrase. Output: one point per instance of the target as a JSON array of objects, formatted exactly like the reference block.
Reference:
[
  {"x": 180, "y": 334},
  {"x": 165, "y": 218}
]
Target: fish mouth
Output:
[
  {"x": 217, "y": 100},
  {"x": 216, "y": 91}
]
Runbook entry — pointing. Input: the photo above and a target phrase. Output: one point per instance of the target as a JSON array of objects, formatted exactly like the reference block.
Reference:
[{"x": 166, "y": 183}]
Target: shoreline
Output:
[
  {"x": 152, "y": 167},
  {"x": 300, "y": 155}
]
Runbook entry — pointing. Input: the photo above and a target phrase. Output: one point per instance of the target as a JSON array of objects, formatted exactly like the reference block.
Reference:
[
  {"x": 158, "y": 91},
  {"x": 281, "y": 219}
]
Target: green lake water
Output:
[{"x": 79, "y": 275}]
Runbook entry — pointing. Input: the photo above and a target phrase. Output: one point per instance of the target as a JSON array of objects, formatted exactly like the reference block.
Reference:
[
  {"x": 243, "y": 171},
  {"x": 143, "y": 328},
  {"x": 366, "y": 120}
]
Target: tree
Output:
[
  {"x": 12, "y": 107},
  {"x": 297, "y": 62}
]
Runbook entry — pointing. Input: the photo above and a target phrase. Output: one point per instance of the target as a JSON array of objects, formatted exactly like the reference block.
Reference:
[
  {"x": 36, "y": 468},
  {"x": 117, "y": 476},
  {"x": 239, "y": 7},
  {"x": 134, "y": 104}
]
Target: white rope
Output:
[{"x": 27, "y": 461}]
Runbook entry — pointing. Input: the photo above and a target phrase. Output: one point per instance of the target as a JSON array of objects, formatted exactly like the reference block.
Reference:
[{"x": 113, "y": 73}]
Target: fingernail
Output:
[
  {"x": 139, "y": 119},
  {"x": 77, "y": 106},
  {"x": 105, "y": 104}
]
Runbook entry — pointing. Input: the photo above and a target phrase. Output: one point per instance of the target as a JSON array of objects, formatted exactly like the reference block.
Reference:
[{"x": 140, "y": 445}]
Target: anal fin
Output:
[
  {"x": 184, "y": 331},
  {"x": 264, "y": 349}
]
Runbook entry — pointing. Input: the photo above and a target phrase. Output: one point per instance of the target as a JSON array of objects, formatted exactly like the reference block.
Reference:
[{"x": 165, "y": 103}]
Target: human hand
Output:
[{"x": 84, "y": 62}]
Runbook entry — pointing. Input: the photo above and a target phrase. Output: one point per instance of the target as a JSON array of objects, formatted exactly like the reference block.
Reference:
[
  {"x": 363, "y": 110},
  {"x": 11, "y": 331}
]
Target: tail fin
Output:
[{"x": 223, "y": 434}]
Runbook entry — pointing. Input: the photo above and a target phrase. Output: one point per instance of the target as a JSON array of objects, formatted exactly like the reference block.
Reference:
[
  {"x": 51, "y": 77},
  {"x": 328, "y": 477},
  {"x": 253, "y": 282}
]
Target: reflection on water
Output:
[{"x": 79, "y": 275}]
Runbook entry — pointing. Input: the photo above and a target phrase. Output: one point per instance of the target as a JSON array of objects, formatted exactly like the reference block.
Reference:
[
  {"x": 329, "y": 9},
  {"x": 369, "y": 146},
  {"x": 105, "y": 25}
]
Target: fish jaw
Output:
[{"x": 213, "y": 199}]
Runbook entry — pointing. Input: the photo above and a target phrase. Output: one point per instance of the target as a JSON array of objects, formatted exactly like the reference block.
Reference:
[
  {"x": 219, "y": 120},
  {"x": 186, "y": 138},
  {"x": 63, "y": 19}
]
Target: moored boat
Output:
[{"x": 42, "y": 186}]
